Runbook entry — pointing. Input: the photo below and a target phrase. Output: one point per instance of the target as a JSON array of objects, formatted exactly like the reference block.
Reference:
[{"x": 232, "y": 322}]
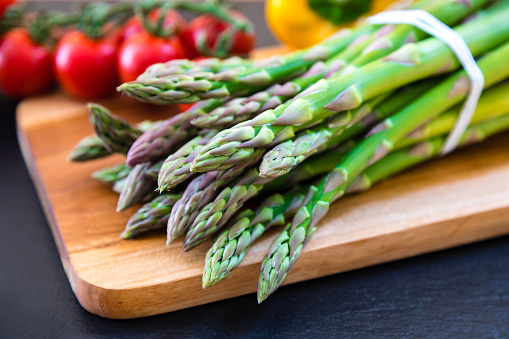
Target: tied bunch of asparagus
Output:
[{"x": 297, "y": 132}]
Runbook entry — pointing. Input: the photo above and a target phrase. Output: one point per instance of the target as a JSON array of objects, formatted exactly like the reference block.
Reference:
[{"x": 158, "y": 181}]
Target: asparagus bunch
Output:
[
  {"x": 287, "y": 248},
  {"x": 361, "y": 106},
  {"x": 230, "y": 247}
]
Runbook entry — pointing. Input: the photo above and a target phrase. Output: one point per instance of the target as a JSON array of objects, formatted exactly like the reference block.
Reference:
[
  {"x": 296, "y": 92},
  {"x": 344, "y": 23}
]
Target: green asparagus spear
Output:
[
  {"x": 493, "y": 103},
  {"x": 242, "y": 109},
  {"x": 215, "y": 214},
  {"x": 196, "y": 193},
  {"x": 199, "y": 69},
  {"x": 92, "y": 147}
]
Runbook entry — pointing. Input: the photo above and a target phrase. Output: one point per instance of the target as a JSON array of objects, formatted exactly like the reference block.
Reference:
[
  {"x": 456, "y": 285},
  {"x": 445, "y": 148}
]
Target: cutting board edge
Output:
[{"x": 131, "y": 303}]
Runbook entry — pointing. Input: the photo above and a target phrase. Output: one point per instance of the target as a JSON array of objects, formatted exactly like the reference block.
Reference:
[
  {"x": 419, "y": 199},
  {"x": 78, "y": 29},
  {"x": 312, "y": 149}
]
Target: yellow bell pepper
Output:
[{"x": 299, "y": 26}]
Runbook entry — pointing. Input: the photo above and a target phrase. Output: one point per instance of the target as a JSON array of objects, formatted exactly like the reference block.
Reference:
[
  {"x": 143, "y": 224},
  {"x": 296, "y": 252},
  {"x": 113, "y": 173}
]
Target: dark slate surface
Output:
[{"x": 458, "y": 293}]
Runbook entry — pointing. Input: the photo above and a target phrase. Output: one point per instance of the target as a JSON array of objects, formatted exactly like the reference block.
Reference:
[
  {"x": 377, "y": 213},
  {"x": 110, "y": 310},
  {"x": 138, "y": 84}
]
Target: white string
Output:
[{"x": 431, "y": 25}]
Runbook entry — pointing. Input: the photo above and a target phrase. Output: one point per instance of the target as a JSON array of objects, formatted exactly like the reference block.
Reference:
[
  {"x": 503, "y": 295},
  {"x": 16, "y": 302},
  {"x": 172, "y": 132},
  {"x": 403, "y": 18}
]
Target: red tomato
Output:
[
  {"x": 143, "y": 50},
  {"x": 184, "y": 107},
  {"x": 212, "y": 27},
  {"x": 131, "y": 27},
  {"x": 25, "y": 66},
  {"x": 85, "y": 67},
  {"x": 134, "y": 25},
  {"x": 4, "y": 4}
]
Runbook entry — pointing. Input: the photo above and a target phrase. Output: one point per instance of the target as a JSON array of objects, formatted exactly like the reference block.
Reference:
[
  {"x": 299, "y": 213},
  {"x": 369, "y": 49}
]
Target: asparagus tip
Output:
[
  {"x": 126, "y": 234},
  {"x": 123, "y": 87},
  {"x": 169, "y": 240},
  {"x": 209, "y": 280}
]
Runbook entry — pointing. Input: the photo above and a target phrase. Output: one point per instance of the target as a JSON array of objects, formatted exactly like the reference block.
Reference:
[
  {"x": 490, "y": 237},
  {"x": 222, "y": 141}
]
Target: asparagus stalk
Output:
[
  {"x": 412, "y": 62},
  {"x": 285, "y": 251},
  {"x": 196, "y": 193},
  {"x": 151, "y": 216},
  {"x": 185, "y": 89},
  {"x": 232, "y": 244},
  {"x": 242, "y": 109}
]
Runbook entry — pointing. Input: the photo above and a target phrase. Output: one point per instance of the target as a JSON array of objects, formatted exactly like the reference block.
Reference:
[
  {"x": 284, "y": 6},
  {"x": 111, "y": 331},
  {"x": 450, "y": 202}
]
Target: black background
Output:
[{"x": 462, "y": 292}]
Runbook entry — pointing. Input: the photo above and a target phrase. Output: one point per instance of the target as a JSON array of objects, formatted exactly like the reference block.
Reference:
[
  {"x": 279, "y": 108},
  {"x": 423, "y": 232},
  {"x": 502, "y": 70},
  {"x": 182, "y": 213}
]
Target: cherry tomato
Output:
[
  {"x": 85, "y": 67},
  {"x": 211, "y": 27},
  {"x": 131, "y": 27},
  {"x": 143, "y": 50},
  {"x": 184, "y": 107},
  {"x": 4, "y": 4},
  {"x": 25, "y": 66},
  {"x": 134, "y": 25}
]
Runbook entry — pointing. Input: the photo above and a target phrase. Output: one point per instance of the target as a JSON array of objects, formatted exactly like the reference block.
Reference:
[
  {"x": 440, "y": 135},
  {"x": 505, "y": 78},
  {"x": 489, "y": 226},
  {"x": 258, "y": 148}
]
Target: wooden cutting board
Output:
[{"x": 458, "y": 199}]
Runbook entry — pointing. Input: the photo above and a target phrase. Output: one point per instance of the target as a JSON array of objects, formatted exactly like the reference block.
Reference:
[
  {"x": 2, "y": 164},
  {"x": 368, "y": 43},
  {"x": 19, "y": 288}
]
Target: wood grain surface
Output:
[{"x": 461, "y": 198}]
